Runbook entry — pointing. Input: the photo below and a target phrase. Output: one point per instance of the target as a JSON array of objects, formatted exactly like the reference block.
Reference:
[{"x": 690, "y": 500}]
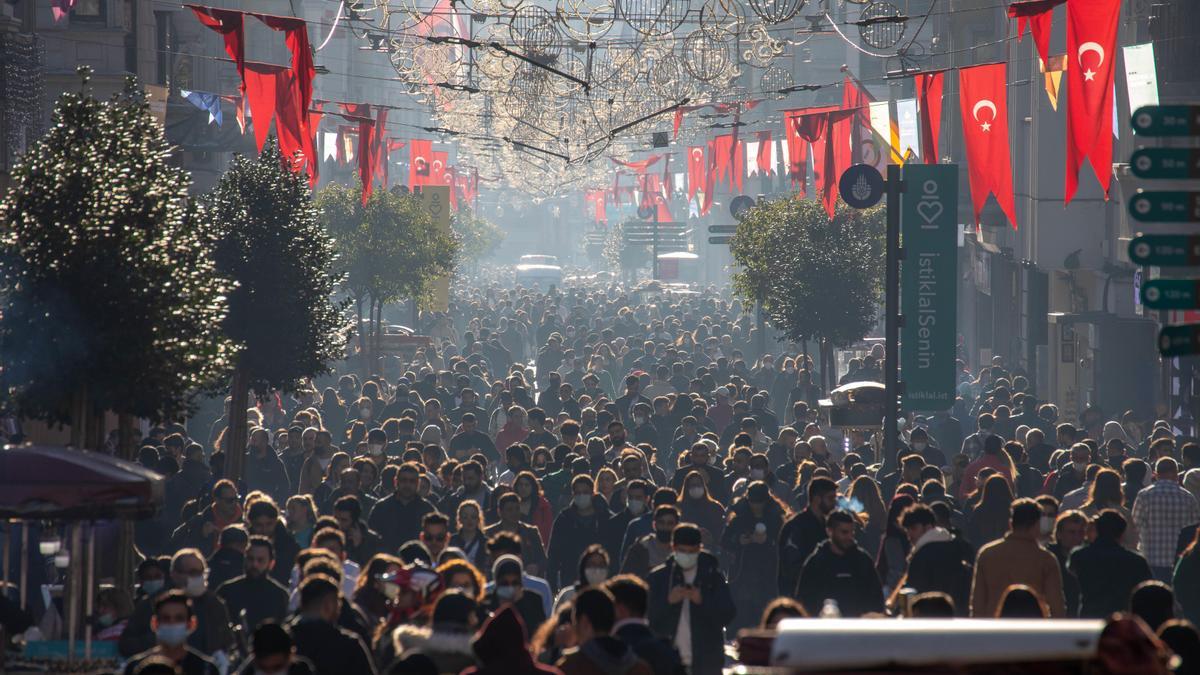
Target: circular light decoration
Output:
[
  {"x": 613, "y": 66},
  {"x": 493, "y": 63},
  {"x": 775, "y": 11},
  {"x": 654, "y": 17},
  {"x": 705, "y": 55},
  {"x": 585, "y": 20},
  {"x": 670, "y": 79},
  {"x": 532, "y": 27},
  {"x": 883, "y": 34},
  {"x": 775, "y": 81},
  {"x": 761, "y": 48},
  {"x": 722, "y": 16}
]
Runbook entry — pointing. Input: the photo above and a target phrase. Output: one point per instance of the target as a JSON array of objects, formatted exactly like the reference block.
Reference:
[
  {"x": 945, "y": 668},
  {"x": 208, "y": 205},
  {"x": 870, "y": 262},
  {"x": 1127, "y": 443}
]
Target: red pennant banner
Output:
[
  {"x": 1039, "y": 15},
  {"x": 695, "y": 173},
  {"x": 419, "y": 152},
  {"x": 929, "y": 100},
  {"x": 764, "y": 153},
  {"x": 983, "y": 100}
]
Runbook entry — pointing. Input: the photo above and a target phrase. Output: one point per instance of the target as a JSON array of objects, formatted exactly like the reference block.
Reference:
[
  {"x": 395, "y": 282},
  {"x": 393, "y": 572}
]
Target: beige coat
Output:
[{"x": 1015, "y": 559}]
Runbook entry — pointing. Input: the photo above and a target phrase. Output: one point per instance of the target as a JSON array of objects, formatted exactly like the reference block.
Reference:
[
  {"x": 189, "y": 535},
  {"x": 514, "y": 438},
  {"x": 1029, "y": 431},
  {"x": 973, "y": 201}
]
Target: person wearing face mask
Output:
[
  {"x": 1070, "y": 476},
  {"x": 653, "y": 549},
  {"x": 594, "y": 570},
  {"x": 171, "y": 624},
  {"x": 697, "y": 506},
  {"x": 274, "y": 653},
  {"x": 751, "y": 537},
  {"x": 255, "y": 592},
  {"x": 690, "y": 601},
  {"x": 919, "y": 441},
  {"x": 634, "y": 496},
  {"x": 575, "y": 527},
  {"x": 113, "y": 608},
  {"x": 700, "y": 459},
  {"x": 209, "y": 632},
  {"x": 509, "y": 589}
]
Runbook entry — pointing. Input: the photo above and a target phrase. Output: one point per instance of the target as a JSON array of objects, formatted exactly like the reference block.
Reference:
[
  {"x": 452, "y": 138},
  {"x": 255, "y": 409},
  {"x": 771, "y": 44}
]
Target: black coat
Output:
[
  {"x": 1070, "y": 582},
  {"x": 943, "y": 566},
  {"x": 396, "y": 522},
  {"x": 655, "y": 650},
  {"x": 286, "y": 552},
  {"x": 261, "y": 598},
  {"x": 571, "y": 534},
  {"x": 268, "y": 474},
  {"x": 331, "y": 650},
  {"x": 797, "y": 540},
  {"x": 225, "y": 564},
  {"x": 708, "y": 621},
  {"x": 849, "y": 578},
  {"x": 1107, "y": 574}
]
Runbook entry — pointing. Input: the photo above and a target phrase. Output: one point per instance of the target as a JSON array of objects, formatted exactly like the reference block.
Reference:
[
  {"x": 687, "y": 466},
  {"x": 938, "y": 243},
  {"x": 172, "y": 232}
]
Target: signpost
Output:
[
  {"x": 1161, "y": 206},
  {"x": 929, "y": 286}
]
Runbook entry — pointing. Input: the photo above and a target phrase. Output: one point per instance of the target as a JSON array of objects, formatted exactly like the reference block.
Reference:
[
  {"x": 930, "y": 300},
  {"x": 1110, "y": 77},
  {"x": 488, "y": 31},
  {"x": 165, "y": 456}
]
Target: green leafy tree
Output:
[
  {"x": 478, "y": 237},
  {"x": 111, "y": 297},
  {"x": 271, "y": 242},
  {"x": 390, "y": 250},
  {"x": 623, "y": 256},
  {"x": 816, "y": 278}
]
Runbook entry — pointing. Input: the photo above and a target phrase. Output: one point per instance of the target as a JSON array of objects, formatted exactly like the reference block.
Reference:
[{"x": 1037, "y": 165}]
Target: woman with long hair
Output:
[
  {"x": 751, "y": 538},
  {"x": 374, "y": 592},
  {"x": 606, "y": 484},
  {"x": 872, "y": 512},
  {"x": 1106, "y": 493},
  {"x": 994, "y": 457},
  {"x": 697, "y": 506},
  {"x": 535, "y": 509},
  {"x": 892, "y": 560},
  {"x": 593, "y": 572},
  {"x": 469, "y": 537},
  {"x": 989, "y": 521}
]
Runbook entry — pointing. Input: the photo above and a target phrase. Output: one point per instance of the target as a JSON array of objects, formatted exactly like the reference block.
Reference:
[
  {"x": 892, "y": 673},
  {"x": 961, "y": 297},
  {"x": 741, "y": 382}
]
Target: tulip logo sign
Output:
[{"x": 928, "y": 287}]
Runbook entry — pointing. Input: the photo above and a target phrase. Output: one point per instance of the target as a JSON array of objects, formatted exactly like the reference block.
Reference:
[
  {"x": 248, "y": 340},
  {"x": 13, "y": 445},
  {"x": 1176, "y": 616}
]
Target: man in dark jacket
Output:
[
  {"x": 264, "y": 469},
  {"x": 362, "y": 543},
  {"x": 1107, "y": 571},
  {"x": 193, "y": 477},
  {"x": 1070, "y": 530},
  {"x": 211, "y": 631},
  {"x": 936, "y": 562},
  {"x": 690, "y": 602},
  {"x": 229, "y": 560},
  {"x": 255, "y": 592},
  {"x": 397, "y": 519},
  {"x": 264, "y": 520},
  {"x": 331, "y": 649},
  {"x": 630, "y": 598},
  {"x": 509, "y": 589},
  {"x": 576, "y": 527},
  {"x": 841, "y": 571},
  {"x": 201, "y": 530},
  {"x": 803, "y": 531},
  {"x": 592, "y": 618}
]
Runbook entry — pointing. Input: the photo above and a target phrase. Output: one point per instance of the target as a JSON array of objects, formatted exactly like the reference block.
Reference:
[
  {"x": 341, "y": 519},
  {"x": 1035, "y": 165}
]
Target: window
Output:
[{"x": 92, "y": 11}]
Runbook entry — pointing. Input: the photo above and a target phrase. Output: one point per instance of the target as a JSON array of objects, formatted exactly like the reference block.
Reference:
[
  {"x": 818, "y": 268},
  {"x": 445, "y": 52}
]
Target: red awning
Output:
[{"x": 55, "y": 483}]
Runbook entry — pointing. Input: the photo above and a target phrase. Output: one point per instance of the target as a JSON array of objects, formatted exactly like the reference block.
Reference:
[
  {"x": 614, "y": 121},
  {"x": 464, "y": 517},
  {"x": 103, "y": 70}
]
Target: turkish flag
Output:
[
  {"x": 797, "y": 149},
  {"x": 1092, "y": 50},
  {"x": 764, "y": 153},
  {"x": 721, "y": 156},
  {"x": 1039, "y": 14},
  {"x": 695, "y": 170},
  {"x": 437, "y": 168},
  {"x": 418, "y": 162},
  {"x": 983, "y": 99},
  {"x": 929, "y": 98}
]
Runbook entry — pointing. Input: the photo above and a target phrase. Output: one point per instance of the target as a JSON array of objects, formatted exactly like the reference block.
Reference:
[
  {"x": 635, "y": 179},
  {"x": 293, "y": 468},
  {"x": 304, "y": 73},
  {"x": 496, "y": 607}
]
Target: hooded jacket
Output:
[
  {"x": 603, "y": 655},
  {"x": 939, "y": 563},
  {"x": 848, "y": 578},
  {"x": 500, "y": 648},
  {"x": 450, "y": 650},
  {"x": 708, "y": 621}
]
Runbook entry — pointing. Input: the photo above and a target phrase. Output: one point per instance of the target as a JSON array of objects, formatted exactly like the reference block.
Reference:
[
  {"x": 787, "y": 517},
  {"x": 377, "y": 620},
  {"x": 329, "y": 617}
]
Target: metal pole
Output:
[
  {"x": 891, "y": 310},
  {"x": 72, "y": 587},
  {"x": 24, "y": 558},
  {"x": 89, "y": 592}
]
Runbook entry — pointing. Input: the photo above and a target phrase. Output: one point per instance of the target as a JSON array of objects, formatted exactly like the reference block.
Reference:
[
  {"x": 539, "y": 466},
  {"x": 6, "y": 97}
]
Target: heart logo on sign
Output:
[{"x": 929, "y": 210}]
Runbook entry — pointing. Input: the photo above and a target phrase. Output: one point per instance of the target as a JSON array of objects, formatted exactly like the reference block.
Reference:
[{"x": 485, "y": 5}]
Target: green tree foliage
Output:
[
  {"x": 478, "y": 237},
  {"x": 622, "y": 256},
  {"x": 816, "y": 278},
  {"x": 282, "y": 315},
  {"x": 112, "y": 300}
]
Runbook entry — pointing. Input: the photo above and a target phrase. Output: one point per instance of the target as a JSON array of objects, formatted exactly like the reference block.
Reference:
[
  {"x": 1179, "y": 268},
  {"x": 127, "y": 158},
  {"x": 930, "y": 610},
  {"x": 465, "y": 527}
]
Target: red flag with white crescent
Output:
[
  {"x": 695, "y": 168},
  {"x": 983, "y": 99},
  {"x": 1092, "y": 51},
  {"x": 418, "y": 162}
]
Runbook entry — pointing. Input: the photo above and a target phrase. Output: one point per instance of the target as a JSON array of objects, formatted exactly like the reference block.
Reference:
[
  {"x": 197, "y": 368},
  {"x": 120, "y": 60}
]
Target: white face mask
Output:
[
  {"x": 595, "y": 575},
  {"x": 583, "y": 501},
  {"x": 696, "y": 492},
  {"x": 636, "y": 506},
  {"x": 1046, "y": 525},
  {"x": 1080, "y": 467},
  {"x": 391, "y": 591},
  {"x": 919, "y": 446},
  {"x": 375, "y": 449},
  {"x": 687, "y": 560},
  {"x": 195, "y": 586},
  {"x": 364, "y": 413},
  {"x": 757, "y": 474}
]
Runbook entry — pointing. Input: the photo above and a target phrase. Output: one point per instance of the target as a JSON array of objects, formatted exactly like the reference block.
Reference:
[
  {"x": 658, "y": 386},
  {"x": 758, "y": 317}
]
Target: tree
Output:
[
  {"x": 390, "y": 250},
  {"x": 478, "y": 237},
  {"x": 271, "y": 242},
  {"x": 815, "y": 277},
  {"x": 623, "y": 256},
  {"x": 112, "y": 300}
]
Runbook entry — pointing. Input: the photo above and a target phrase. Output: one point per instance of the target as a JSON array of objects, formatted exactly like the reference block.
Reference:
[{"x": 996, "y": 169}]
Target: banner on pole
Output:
[
  {"x": 928, "y": 286},
  {"x": 436, "y": 199}
]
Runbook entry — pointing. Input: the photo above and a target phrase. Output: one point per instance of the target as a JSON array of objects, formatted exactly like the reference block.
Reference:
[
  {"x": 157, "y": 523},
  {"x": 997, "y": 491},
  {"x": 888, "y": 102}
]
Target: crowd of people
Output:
[{"x": 592, "y": 480}]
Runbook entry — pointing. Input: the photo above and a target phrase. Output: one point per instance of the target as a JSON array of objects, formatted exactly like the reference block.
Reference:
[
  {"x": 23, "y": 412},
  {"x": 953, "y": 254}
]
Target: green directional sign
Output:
[
  {"x": 1176, "y": 163},
  {"x": 722, "y": 229},
  {"x": 1165, "y": 250},
  {"x": 1171, "y": 294},
  {"x": 1179, "y": 340},
  {"x": 1161, "y": 206},
  {"x": 1166, "y": 120},
  {"x": 719, "y": 240},
  {"x": 928, "y": 286}
]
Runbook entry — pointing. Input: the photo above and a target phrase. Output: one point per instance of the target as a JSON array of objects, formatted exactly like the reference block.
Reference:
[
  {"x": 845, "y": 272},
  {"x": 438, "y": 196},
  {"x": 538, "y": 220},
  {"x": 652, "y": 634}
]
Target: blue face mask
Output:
[
  {"x": 506, "y": 593},
  {"x": 172, "y": 634},
  {"x": 152, "y": 586}
]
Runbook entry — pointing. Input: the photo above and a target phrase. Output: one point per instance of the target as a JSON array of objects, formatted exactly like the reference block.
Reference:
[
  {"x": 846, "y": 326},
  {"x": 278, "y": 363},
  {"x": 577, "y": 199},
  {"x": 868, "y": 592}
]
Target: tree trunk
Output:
[
  {"x": 125, "y": 553},
  {"x": 378, "y": 330},
  {"x": 79, "y": 415},
  {"x": 362, "y": 335},
  {"x": 235, "y": 439}
]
